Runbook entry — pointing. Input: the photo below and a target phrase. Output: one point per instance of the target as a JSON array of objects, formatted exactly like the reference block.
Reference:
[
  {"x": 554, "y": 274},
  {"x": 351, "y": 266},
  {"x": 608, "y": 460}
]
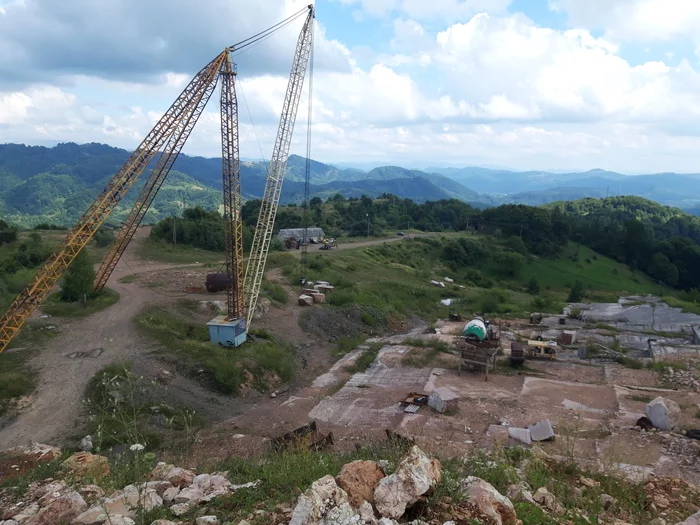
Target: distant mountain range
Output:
[{"x": 56, "y": 184}]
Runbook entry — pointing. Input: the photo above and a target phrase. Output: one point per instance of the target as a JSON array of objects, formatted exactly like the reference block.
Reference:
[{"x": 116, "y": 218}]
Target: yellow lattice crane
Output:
[{"x": 164, "y": 142}]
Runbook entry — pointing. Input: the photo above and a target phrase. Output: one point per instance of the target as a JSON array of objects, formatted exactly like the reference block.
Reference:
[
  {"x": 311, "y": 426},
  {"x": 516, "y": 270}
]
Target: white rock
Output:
[
  {"x": 664, "y": 413},
  {"x": 415, "y": 476},
  {"x": 387, "y": 521},
  {"x": 180, "y": 508},
  {"x": 482, "y": 495},
  {"x": 192, "y": 494},
  {"x": 26, "y": 513},
  {"x": 86, "y": 444},
  {"x": 548, "y": 500},
  {"x": 521, "y": 492},
  {"x": 324, "y": 503},
  {"x": 367, "y": 513},
  {"x": 436, "y": 402},
  {"x": 170, "y": 494},
  {"x": 691, "y": 520},
  {"x": 207, "y": 520},
  {"x": 119, "y": 520}
]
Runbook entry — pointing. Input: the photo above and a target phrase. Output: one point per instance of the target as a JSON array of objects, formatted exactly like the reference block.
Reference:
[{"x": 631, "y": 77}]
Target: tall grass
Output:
[{"x": 224, "y": 369}]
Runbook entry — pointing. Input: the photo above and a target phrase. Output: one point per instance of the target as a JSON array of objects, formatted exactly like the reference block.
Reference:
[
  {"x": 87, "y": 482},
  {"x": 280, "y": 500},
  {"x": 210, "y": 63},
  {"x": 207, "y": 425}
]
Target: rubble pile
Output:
[
  {"x": 686, "y": 378},
  {"x": 363, "y": 493},
  {"x": 52, "y": 501}
]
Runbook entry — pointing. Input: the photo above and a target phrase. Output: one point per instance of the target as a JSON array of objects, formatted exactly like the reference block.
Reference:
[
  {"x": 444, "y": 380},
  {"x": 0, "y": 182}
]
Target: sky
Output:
[{"x": 519, "y": 84}]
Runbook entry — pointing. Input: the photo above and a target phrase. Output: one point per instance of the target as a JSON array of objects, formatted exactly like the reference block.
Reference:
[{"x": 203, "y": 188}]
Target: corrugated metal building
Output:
[{"x": 315, "y": 234}]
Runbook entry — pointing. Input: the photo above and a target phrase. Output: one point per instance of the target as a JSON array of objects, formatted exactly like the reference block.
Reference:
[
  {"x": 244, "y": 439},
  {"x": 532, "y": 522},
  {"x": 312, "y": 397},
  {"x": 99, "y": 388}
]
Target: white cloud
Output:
[
  {"x": 492, "y": 88},
  {"x": 636, "y": 20},
  {"x": 441, "y": 10}
]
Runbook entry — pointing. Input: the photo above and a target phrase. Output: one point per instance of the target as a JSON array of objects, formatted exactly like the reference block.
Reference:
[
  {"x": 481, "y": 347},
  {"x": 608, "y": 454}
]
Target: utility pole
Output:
[
  {"x": 368, "y": 225},
  {"x": 174, "y": 230}
]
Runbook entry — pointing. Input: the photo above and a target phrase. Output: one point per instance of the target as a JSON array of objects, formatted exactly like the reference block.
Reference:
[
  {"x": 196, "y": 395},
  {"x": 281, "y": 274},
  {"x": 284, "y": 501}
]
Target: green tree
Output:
[
  {"x": 663, "y": 269},
  {"x": 78, "y": 280},
  {"x": 315, "y": 202},
  {"x": 104, "y": 238},
  {"x": 533, "y": 286},
  {"x": 509, "y": 263},
  {"x": 576, "y": 293}
]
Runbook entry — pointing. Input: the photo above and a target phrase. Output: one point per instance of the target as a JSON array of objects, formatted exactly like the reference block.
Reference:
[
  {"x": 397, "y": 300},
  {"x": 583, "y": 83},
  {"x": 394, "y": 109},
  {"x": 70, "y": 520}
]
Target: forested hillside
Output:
[
  {"x": 662, "y": 242},
  {"x": 56, "y": 185}
]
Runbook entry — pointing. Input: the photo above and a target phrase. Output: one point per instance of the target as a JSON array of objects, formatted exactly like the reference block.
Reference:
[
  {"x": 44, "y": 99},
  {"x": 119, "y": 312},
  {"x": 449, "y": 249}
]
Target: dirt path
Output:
[
  {"x": 364, "y": 244},
  {"x": 83, "y": 346},
  {"x": 104, "y": 337}
]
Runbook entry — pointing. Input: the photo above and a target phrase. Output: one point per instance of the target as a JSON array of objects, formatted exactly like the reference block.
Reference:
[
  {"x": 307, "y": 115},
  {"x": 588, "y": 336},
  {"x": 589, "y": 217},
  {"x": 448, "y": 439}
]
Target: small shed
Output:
[{"x": 312, "y": 234}]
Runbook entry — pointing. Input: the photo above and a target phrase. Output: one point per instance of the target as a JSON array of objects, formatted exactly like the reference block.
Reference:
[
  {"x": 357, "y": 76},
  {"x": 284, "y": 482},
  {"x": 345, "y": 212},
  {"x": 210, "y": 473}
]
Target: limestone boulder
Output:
[
  {"x": 324, "y": 503},
  {"x": 360, "y": 479},
  {"x": 663, "y": 413},
  {"x": 548, "y": 500},
  {"x": 58, "y": 507},
  {"x": 521, "y": 492},
  {"x": 415, "y": 476},
  {"x": 83, "y": 465},
  {"x": 488, "y": 502},
  {"x": 691, "y": 520}
]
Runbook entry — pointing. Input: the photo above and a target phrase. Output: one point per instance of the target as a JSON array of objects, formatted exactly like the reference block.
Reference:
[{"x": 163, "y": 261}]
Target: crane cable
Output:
[
  {"x": 267, "y": 32},
  {"x": 307, "y": 177}
]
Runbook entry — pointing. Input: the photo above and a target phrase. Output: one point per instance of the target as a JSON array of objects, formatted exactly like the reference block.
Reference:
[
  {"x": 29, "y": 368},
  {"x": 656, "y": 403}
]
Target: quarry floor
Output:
[{"x": 592, "y": 407}]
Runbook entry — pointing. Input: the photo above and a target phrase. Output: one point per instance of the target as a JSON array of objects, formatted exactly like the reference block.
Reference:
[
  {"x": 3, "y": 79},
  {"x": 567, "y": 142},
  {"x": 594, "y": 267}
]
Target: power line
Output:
[{"x": 267, "y": 32}]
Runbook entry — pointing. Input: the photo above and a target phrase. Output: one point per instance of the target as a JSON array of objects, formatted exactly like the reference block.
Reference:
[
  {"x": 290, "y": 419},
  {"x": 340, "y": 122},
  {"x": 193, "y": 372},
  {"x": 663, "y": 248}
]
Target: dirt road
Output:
[
  {"x": 363, "y": 244},
  {"x": 81, "y": 349}
]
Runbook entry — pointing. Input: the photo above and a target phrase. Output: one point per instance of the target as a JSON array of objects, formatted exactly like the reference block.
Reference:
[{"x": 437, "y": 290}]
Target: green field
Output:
[
  {"x": 180, "y": 253},
  {"x": 595, "y": 271}
]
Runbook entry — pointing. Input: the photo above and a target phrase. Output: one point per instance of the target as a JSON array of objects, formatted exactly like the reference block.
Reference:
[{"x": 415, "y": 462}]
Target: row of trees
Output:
[{"x": 661, "y": 241}]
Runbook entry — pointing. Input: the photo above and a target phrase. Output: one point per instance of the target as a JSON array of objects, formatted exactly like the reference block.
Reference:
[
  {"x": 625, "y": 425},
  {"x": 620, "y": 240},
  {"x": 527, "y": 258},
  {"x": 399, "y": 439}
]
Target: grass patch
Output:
[
  {"x": 128, "y": 279},
  {"x": 274, "y": 292},
  {"x": 124, "y": 410},
  {"x": 603, "y": 326},
  {"x": 602, "y": 273},
  {"x": 17, "y": 379},
  {"x": 641, "y": 399},
  {"x": 345, "y": 345},
  {"x": 259, "y": 364},
  {"x": 153, "y": 250},
  {"x": 283, "y": 475},
  {"x": 661, "y": 366},
  {"x": 685, "y": 306},
  {"x": 366, "y": 359},
  {"x": 98, "y": 302}
]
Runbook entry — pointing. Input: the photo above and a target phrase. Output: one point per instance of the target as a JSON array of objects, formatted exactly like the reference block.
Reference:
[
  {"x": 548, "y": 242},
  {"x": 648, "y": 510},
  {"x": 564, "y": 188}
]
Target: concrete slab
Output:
[
  {"x": 520, "y": 434},
  {"x": 541, "y": 431}
]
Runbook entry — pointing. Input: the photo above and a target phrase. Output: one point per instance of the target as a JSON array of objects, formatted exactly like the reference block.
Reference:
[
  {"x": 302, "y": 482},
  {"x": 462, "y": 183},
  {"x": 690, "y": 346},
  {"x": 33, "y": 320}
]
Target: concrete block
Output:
[
  {"x": 318, "y": 297},
  {"x": 306, "y": 300},
  {"x": 664, "y": 413},
  {"x": 541, "y": 431},
  {"x": 520, "y": 434},
  {"x": 448, "y": 280},
  {"x": 437, "y": 403}
]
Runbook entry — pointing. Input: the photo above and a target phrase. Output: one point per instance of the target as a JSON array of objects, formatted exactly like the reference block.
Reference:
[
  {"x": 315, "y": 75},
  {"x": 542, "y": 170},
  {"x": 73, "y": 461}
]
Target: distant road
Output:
[{"x": 363, "y": 244}]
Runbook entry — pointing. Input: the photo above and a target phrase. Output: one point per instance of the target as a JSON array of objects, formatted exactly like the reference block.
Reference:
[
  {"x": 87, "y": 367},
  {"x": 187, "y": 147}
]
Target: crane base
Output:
[{"x": 227, "y": 333}]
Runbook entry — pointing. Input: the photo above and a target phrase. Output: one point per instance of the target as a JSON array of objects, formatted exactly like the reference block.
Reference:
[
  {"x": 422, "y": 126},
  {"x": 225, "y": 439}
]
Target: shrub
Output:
[
  {"x": 533, "y": 286},
  {"x": 576, "y": 293},
  {"x": 78, "y": 280}
]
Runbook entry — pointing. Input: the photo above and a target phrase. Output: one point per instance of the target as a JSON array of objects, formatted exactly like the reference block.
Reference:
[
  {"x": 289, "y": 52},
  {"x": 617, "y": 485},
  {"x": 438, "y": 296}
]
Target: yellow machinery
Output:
[
  {"x": 545, "y": 349},
  {"x": 163, "y": 144}
]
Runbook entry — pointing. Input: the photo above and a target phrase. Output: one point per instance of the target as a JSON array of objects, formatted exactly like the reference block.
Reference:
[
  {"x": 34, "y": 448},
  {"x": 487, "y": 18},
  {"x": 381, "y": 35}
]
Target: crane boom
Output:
[
  {"x": 166, "y": 159},
  {"x": 231, "y": 170},
  {"x": 76, "y": 239},
  {"x": 278, "y": 164}
]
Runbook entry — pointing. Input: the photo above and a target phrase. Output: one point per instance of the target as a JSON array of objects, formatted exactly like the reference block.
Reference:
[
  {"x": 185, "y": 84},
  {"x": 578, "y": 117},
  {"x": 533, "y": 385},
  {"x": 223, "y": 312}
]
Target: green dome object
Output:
[{"x": 475, "y": 329}]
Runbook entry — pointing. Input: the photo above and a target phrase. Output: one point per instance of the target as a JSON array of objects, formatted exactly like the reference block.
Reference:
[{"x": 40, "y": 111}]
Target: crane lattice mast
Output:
[
  {"x": 278, "y": 164},
  {"x": 231, "y": 168},
  {"x": 166, "y": 140},
  {"x": 50, "y": 272}
]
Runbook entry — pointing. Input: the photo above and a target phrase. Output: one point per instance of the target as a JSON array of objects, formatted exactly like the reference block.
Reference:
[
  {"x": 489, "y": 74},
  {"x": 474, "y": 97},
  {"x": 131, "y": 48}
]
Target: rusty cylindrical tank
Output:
[{"x": 217, "y": 282}]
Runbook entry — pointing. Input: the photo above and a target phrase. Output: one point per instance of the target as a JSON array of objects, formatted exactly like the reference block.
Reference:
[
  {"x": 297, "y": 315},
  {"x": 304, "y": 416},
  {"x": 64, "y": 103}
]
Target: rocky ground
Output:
[{"x": 518, "y": 487}]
